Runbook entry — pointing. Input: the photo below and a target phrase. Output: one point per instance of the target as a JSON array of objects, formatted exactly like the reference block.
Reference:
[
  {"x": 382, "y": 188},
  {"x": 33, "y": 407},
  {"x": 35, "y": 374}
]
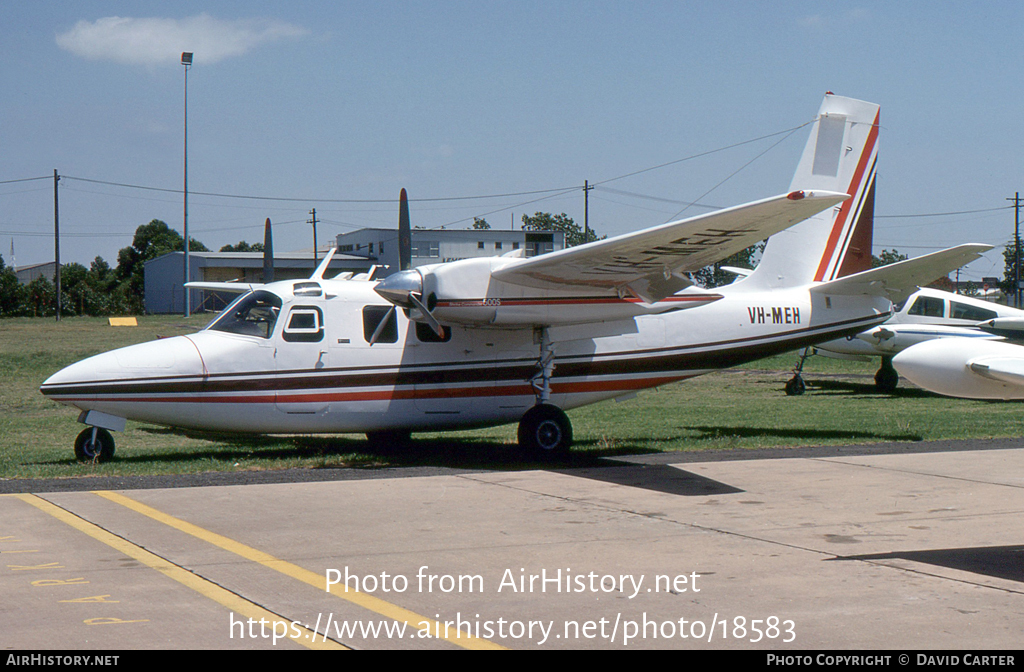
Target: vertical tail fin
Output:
[
  {"x": 268, "y": 253},
  {"x": 404, "y": 233},
  {"x": 840, "y": 155}
]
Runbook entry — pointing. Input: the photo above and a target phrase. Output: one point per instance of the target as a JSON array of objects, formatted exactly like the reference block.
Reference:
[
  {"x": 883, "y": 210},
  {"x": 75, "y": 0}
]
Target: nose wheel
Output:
[{"x": 94, "y": 444}]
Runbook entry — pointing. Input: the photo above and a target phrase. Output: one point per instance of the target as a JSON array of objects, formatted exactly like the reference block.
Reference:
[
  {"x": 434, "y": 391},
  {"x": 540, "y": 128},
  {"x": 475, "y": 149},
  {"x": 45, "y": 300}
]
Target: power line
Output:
[
  {"x": 27, "y": 179},
  {"x": 788, "y": 131},
  {"x": 944, "y": 214},
  {"x": 325, "y": 200}
]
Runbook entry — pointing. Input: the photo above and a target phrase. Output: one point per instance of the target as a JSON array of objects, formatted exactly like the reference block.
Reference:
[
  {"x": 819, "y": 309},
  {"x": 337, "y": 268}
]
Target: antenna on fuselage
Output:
[{"x": 318, "y": 274}]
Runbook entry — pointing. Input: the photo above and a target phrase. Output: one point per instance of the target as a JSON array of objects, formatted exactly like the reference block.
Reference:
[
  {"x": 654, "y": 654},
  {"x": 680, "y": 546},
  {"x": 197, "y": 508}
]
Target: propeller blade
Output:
[
  {"x": 404, "y": 233},
  {"x": 268, "y": 254},
  {"x": 434, "y": 324}
]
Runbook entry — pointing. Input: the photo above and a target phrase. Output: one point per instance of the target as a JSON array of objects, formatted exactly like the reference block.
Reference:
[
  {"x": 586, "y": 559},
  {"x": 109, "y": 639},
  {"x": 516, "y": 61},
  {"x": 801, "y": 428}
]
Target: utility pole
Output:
[
  {"x": 186, "y": 60},
  {"x": 56, "y": 240},
  {"x": 313, "y": 222},
  {"x": 1016, "y": 248},
  {"x": 586, "y": 211}
]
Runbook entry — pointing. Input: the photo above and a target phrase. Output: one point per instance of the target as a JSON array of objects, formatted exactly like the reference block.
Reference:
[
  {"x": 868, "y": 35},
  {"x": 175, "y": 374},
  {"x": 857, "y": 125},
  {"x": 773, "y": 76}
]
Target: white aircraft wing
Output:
[
  {"x": 648, "y": 263},
  {"x": 1004, "y": 369},
  {"x": 236, "y": 287},
  {"x": 901, "y": 279}
]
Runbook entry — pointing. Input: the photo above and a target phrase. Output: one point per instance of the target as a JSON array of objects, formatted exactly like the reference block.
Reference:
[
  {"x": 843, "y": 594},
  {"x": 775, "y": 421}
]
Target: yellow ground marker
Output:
[
  {"x": 237, "y": 604},
  {"x": 318, "y": 581},
  {"x": 122, "y": 322}
]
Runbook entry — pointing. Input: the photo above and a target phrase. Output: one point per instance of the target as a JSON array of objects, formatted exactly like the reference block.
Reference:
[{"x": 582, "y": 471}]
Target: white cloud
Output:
[{"x": 157, "y": 41}]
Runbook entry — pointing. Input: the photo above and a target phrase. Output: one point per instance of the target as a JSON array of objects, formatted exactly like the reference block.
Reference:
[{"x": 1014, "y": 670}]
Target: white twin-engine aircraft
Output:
[
  {"x": 970, "y": 368},
  {"x": 487, "y": 341}
]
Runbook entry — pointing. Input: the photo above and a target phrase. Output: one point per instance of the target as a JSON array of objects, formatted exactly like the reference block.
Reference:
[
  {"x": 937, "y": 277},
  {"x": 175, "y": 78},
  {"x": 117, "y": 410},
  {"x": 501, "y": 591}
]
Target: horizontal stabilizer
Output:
[
  {"x": 897, "y": 281},
  {"x": 649, "y": 262}
]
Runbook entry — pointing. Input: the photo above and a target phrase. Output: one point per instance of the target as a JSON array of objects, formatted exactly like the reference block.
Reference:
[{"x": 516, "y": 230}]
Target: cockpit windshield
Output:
[{"x": 251, "y": 315}]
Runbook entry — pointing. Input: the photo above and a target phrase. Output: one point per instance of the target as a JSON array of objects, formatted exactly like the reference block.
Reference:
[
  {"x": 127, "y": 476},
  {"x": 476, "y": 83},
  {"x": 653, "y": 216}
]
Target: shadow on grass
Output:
[
  {"x": 849, "y": 387},
  {"x": 801, "y": 434},
  {"x": 350, "y": 452}
]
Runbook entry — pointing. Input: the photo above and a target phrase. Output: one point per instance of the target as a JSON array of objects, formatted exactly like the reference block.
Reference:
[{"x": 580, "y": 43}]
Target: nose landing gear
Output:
[{"x": 94, "y": 444}]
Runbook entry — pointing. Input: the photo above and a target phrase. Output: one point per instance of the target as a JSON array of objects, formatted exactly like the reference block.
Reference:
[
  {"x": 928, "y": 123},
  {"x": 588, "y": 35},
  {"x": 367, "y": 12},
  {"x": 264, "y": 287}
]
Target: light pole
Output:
[{"x": 186, "y": 60}]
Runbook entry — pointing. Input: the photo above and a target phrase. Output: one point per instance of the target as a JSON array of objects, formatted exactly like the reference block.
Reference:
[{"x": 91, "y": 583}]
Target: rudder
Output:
[{"x": 840, "y": 155}]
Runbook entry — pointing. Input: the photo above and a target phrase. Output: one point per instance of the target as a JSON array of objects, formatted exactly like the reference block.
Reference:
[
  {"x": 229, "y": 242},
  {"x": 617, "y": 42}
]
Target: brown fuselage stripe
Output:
[{"x": 631, "y": 372}]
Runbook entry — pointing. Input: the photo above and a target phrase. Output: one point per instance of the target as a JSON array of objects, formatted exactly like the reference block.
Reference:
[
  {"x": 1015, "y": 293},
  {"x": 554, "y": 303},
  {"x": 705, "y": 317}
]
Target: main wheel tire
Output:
[
  {"x": 886, "y": 379},
  {"x": 98, "y": 449},
  {"x": 545, "y": 432},
  {"x": 795, "y": 386},
  {"x": 386, "y": 439}
]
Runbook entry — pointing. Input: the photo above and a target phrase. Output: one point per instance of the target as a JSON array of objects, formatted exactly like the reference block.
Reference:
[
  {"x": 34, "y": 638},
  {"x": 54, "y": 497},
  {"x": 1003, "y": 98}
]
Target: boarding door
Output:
[{"x": 302, "y": 356}]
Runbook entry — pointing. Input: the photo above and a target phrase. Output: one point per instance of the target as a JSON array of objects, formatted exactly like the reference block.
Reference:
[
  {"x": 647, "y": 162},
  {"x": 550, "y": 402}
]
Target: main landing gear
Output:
[
  {"x": 545, "y": 431},
  {"x": 795, "y": 385},
  {"x": 886, "y": 379}
]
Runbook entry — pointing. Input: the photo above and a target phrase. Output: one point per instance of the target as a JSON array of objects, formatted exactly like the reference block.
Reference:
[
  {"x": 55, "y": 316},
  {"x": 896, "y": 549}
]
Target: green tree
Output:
[
  {"x": 887, "y": 257},
  {"x": 714, "y": 276},
  {"x": 12, "y": 294},
  {"x": 479, "y": 223},
  {"x": 1010, "y": 268},
  {"x": 151, "y": 241},
  {"x": 243, "y": 246},
  {"x": 545, "y": 221},
  {"x": 75, "y": 291},
  {"x": 39, "y": 297}
]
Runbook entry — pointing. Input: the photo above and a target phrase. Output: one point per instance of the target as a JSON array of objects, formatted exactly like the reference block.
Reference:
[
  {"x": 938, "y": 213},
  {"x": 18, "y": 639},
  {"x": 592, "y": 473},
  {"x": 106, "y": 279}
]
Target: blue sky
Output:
[{"x": 330, "y": 101}]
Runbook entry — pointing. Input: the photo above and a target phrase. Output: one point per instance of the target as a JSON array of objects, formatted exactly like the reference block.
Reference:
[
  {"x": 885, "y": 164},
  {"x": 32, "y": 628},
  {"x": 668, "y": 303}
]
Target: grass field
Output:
[{"x": 736, "y": 409}]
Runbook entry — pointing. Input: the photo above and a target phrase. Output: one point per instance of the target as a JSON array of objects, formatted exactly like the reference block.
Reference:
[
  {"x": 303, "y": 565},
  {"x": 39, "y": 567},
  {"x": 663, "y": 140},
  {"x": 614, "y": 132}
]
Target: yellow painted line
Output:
[
  {"x": 318, "y": 581},
  {"x": 237, "y": 604}
]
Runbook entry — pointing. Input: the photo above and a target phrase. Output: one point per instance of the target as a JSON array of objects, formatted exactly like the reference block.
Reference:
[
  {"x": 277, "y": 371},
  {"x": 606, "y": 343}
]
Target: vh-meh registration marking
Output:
[{"x": 777, "y": 314}]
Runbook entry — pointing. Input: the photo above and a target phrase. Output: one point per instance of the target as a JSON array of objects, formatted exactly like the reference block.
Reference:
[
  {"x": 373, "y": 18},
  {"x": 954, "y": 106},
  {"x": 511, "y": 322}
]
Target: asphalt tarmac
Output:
[{"x": 889, "y": 546}]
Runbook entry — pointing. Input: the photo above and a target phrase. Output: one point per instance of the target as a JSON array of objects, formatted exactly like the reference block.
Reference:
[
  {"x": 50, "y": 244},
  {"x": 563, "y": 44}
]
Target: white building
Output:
[{"x": 432, "y": 246}]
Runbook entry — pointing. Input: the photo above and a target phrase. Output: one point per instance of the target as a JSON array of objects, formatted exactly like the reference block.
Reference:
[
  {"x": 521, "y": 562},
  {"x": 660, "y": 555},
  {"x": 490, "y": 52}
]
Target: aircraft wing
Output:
[
  {"x": 899, "y": 280},
  {"x": 648, "y": 263},
  {"x": 1004, "y": 369},
  {"x": 235, "y": 287}
]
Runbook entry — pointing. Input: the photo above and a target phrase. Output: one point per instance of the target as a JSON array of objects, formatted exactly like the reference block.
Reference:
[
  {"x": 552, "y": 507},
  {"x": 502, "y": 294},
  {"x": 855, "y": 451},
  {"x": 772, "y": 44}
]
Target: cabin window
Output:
[
  {"x": 963, "y": 311},
  {"x": 251, "y": 315},
  {"x": 927, "y": 306},
  {"x": 305, "y": 325},
  {"x": 373, "y": 316}
]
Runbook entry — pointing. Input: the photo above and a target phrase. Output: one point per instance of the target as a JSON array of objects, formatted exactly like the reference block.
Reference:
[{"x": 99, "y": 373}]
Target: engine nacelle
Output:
[
  {"x": 464, "y": 292},
  {"x": 966, "y": 368}
]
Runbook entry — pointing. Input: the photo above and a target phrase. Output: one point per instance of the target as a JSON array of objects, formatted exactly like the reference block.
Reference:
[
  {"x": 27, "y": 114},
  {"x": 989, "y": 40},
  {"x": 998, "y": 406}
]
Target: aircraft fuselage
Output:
[{"x": 312, "y": 368}]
